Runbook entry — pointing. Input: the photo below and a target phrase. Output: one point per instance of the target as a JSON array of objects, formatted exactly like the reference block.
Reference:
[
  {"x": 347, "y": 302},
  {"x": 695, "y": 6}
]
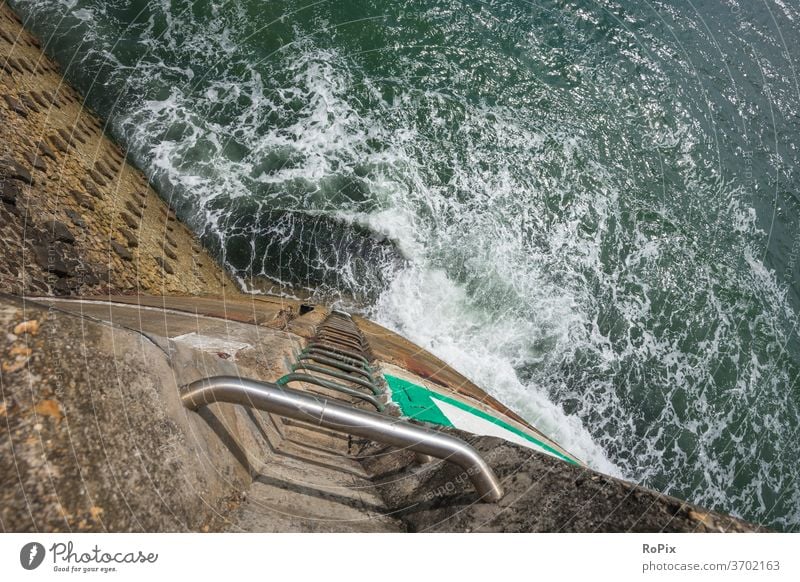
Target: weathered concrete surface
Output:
[
  {"x": 283, "y": 313},
  {"x": 312, "y": 484},
  {"x": 272, "y": 312},
  {"x": 75, "y": 217},
  {"x": 93, "y": 436},
  {"x": 543, "y": 494}
]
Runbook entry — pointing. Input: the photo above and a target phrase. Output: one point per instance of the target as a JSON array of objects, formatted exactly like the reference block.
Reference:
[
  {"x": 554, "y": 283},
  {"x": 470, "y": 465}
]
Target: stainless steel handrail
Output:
[{"x": 328, "y": 414}]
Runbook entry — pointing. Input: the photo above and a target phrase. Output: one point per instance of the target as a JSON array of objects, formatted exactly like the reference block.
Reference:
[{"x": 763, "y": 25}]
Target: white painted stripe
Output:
[{"x": 466, "y": 421}]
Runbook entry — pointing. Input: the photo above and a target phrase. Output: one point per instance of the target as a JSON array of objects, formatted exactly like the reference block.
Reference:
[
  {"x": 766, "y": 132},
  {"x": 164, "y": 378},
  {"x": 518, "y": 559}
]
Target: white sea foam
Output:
[
  {"x": 436, "y": 314},
  {"x": 580, "y": 252}
]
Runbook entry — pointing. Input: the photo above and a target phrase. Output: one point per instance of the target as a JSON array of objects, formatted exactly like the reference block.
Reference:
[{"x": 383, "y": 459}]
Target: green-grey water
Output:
[{"x": 589, "y": 207}]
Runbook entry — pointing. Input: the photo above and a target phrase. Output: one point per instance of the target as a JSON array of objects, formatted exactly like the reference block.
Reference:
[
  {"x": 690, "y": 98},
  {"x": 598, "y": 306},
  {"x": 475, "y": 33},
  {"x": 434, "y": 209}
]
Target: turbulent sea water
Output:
[{"x": 591, "y": 208}]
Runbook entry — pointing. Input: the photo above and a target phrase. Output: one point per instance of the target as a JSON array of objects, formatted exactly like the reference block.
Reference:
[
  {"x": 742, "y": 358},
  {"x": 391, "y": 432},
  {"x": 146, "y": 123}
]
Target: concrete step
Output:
[{"x": 292, "y": 495}]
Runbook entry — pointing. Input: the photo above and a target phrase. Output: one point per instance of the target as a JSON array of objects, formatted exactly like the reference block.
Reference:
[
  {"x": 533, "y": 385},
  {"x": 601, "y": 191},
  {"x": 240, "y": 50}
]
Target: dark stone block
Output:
[
  {"x": 13, "y": 267},
  {"x": 58, "y": 231},
  {"x": 51, "y": 259},
  {"x": 113, "y": 165},
  {"x": 133, "y": 209},
  {"x": 15, "y": 106},
  {"x": 11, "y": 169},
  {"x": 76, "y": 134},
  {"x": 35, "y": 161},
  {"x": 130, "y": 237},
  {"x": 28, "y": 102},
  {"x": 16, "y": 66},
  {"x": 89, "y": 278},
  {"x": 170, "y": 253},
  {"x": 9, "y": 191},
  {"x": 165, "y": 266},
  {"x": 82, "y": 199},
  {"x": 76, "y": 218},
  {"x": 40, "y": 99},
  {"x": 47, "y": 151},
  {"x": 26, "y": 65},
  {"x": 121, "y": 251},
  {"x": 104, "y": 170},
  {"x": 92, "y": 189},
  {"x": 98, "y": 178},
  {"x": 52, "y": 98},
  {"x": 100, "y": 272},
  {"x": 59, "y": 143},
  {"x": 129, "y": 220},
  {"x": 10, "y": 209},
  {"x": 66, "y": 136},
  {"x": 63, "y": 287}
]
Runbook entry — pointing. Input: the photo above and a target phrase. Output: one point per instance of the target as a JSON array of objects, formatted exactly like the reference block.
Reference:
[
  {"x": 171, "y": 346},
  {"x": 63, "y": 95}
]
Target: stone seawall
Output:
[{"x": 75, "y": 217}]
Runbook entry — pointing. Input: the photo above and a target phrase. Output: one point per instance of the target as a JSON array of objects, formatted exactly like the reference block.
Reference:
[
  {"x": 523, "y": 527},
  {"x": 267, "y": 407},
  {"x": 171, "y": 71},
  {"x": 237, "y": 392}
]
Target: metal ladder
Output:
[{"x": 340, "y": 352}]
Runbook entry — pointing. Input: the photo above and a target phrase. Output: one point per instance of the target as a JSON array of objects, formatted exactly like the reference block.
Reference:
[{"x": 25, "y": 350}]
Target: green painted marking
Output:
[{"x": 417, "y": 402}]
